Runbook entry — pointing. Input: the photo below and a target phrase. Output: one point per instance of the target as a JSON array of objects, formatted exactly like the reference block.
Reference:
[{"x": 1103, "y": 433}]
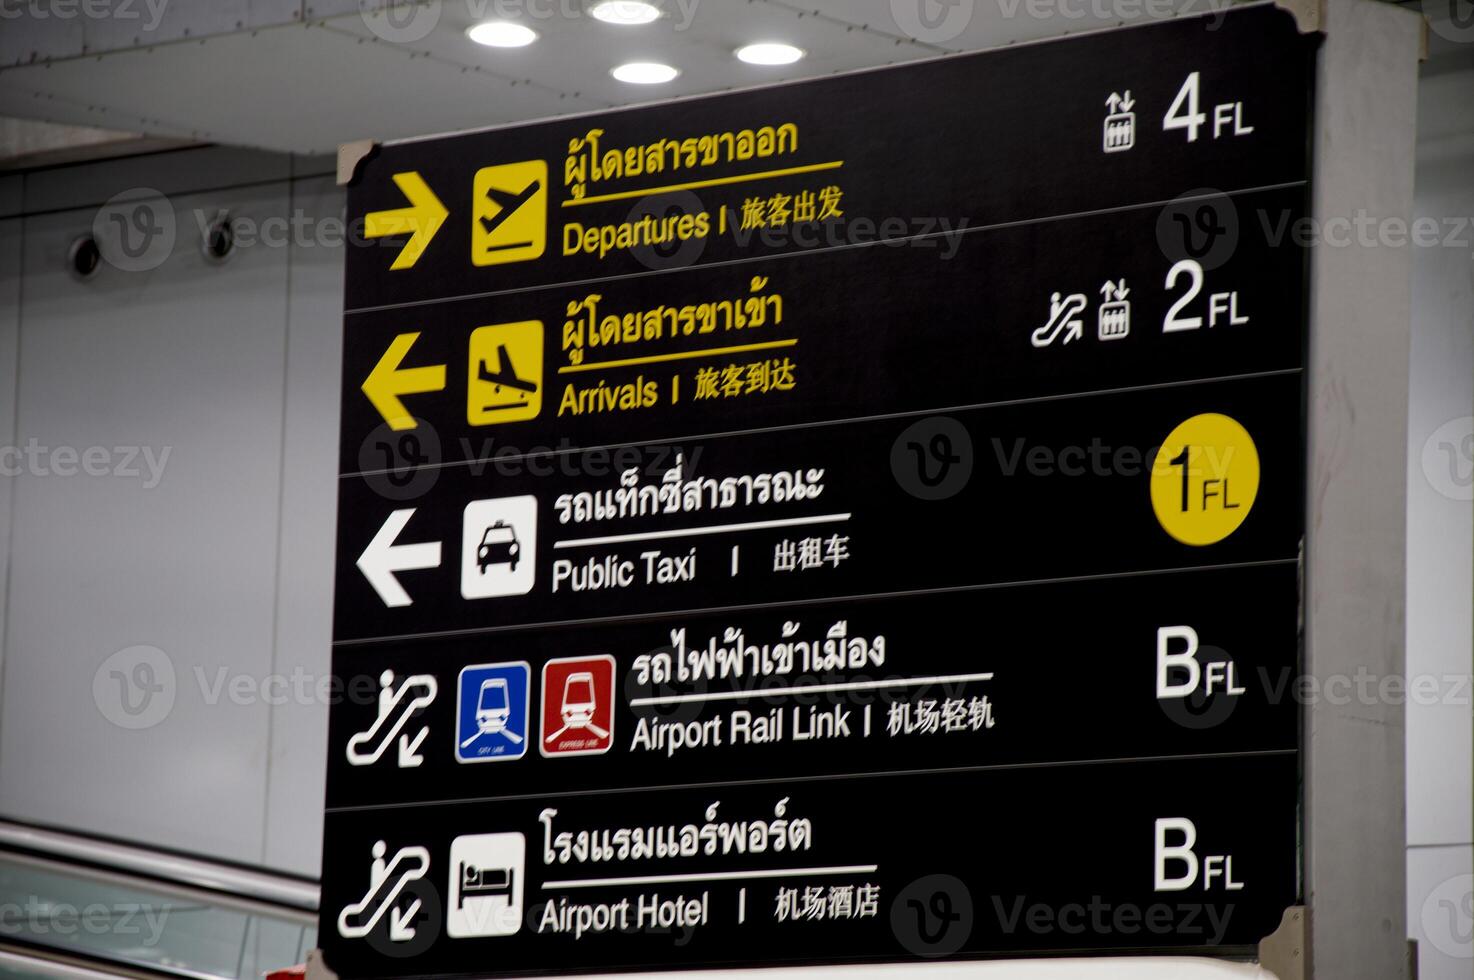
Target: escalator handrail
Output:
[
  {"x": 59, "y": 965},
  {"x": 162, "y": 866}
]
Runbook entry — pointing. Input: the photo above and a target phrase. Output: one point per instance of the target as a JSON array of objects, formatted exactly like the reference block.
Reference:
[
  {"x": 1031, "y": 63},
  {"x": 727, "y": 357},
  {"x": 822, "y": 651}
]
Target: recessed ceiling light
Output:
[
  {"x": 502, "y": 34},
  {"x": 645, "y": 73},
  {"x": 625, "y": 12},
  {"x": 770, "y": 53}
]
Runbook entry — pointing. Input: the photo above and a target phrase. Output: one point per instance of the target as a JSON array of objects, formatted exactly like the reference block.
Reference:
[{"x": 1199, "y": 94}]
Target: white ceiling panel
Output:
[
  {"x": 576, "y": 55},
  {"x": 60, "y": 29},
  {"x": 292, "y": 89},
  {"x": 971, "y": 25},
  {"x": 307, "y": 85}
]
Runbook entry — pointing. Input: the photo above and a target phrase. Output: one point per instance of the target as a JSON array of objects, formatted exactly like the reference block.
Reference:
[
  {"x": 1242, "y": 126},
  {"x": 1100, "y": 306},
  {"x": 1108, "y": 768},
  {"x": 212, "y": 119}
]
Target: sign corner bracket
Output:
[
  {"x": 1310, "y": 15},
  {"x": 350, "y": 156},
  {"x": 1285, "y": 952}
]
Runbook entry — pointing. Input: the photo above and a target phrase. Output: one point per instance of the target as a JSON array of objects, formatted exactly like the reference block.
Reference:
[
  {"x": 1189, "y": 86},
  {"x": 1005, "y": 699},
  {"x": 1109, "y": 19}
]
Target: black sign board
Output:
[
  {"x": 1039, "y": 490},
  {"x": 1193, "y": 855},
  {"x": 849, "y": 521},
  {"x": 839, "y": 333}
]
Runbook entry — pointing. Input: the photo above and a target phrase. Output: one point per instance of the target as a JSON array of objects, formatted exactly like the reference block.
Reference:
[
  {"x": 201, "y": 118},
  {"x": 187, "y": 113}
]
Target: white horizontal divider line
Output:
[
  {"x": 847, "y": 869},
  {"x": 693, "y": 532},
  {"x": 1040, "y": 219},
  {"x": 778, "y": 692}
]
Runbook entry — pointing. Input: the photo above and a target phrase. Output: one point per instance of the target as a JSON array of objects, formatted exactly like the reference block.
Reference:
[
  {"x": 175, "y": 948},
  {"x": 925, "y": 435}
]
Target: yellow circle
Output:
[{"x": 1205, "y": 479}]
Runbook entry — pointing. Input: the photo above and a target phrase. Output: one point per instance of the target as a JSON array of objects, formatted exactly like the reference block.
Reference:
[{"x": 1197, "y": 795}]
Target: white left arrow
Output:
[{"x": 383, "y": 558}]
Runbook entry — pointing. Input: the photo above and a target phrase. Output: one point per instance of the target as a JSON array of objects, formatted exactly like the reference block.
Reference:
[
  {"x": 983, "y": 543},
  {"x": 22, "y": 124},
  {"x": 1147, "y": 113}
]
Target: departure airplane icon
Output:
[
  {"x": 506, "y": 377},
  {"x": 510, "y": 225},
  {"x": 508, "y": 205}
]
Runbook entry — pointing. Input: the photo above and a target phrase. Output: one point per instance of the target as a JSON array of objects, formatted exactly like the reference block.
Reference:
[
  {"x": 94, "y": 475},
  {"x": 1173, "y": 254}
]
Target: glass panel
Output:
[
  {"x": 145, "y": 925},
  {"x": 9, "y": 971}
]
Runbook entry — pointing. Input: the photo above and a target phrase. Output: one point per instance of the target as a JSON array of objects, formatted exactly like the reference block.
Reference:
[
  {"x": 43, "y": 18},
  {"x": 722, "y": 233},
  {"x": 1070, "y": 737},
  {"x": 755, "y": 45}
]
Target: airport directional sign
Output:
[
  {"x": 850, "y": 521},
  {"x": 1125, "y": 298},
  {"x": 1021, "y": 134},
  {"x": 1091, "y": 485}
]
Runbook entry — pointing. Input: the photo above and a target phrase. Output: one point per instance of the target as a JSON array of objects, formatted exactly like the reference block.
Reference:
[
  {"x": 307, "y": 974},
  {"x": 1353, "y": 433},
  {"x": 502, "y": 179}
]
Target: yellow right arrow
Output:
[
  {"x": 387, "y": 382},
  {"x": 421, "y": 220}
]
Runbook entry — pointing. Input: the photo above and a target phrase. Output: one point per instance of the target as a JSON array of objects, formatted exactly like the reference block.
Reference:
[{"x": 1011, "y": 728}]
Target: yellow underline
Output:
[
  {"x": 698, "y": 184},
  {"x": 680, "y": 356}
]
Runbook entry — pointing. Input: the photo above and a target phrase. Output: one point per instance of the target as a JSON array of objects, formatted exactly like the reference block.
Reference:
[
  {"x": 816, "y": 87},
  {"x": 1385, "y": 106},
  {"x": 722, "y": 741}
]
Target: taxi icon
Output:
[{"x": 499, "y": 546}]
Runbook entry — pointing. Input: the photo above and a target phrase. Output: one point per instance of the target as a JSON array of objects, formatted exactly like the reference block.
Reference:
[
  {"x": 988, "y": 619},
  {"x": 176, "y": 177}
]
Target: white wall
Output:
[
  {"x": 309, "y": 502},
  {"x": 10, "y": 237},
  {"x": 1440, "y": 548},
  {"x": 224, "y": 567}
]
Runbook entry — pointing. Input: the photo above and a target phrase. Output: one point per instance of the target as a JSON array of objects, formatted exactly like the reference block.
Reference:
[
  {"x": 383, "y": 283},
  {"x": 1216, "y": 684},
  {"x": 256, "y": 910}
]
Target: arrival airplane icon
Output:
[
  {"x": 505, "y": 376},
  {"x": 504, "y": 383}
]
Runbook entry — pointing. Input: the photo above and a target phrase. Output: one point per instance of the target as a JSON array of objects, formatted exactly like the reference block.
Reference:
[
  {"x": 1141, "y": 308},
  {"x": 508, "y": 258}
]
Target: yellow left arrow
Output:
[
  {"x": 421, "y": 220},
  {"x": 387, "y": 382}
]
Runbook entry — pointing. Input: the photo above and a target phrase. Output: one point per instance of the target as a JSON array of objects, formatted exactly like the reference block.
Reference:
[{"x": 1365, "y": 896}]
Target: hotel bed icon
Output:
[
  {"x": 487, "y": 873},
  {"x": 478, "y": 882}
]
